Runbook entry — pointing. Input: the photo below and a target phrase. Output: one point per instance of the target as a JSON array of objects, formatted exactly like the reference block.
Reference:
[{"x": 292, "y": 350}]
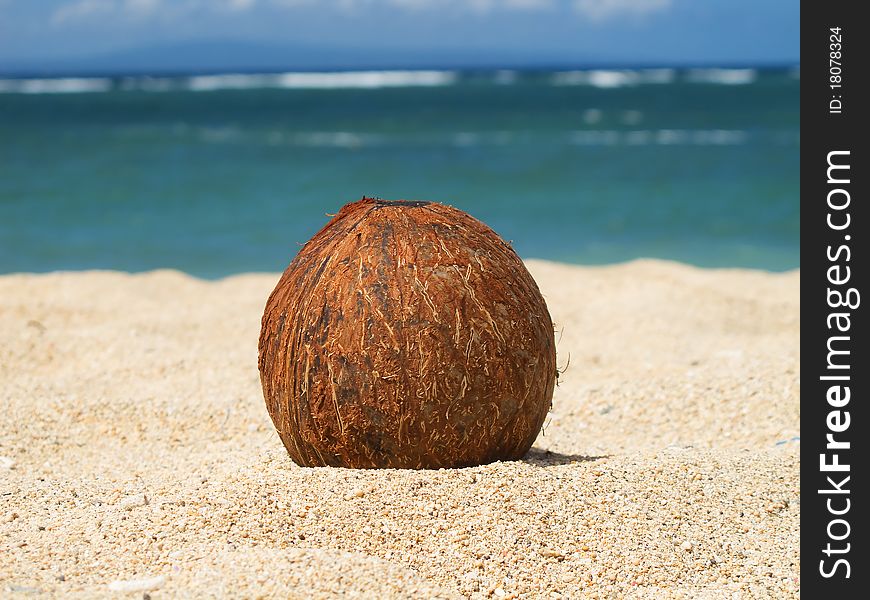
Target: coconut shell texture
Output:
[{"x": 406, "y": 335}]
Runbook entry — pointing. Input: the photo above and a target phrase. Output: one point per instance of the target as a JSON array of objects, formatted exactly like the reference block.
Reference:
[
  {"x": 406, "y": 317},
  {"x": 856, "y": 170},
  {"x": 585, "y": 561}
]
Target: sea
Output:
[{"x": 217, "y": 174}]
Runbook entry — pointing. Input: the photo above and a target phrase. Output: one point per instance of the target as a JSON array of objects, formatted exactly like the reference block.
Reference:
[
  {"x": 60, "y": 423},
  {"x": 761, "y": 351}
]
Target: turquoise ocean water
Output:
[{"x": 220, "y": 174}]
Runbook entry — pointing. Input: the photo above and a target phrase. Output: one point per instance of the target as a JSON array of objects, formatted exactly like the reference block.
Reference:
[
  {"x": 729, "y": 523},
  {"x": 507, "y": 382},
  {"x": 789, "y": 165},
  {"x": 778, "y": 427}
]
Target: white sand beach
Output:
[{"x": 137, "y": 458}]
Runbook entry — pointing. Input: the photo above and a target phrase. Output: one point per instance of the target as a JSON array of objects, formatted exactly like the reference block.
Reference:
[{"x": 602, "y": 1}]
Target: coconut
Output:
[{"x": 406, "y": 334}]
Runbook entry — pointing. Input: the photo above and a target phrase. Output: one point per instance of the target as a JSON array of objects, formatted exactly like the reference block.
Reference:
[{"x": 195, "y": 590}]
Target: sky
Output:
[{"x": 70, "y": 33}]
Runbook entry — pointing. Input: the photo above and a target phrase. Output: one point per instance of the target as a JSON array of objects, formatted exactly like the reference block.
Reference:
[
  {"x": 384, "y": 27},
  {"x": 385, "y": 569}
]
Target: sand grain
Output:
[{"x": 135, "y": 447}]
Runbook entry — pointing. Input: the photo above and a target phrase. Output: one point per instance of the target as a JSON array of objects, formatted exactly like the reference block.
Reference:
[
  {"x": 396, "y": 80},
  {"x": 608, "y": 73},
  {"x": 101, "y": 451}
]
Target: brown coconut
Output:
[{"x": 406, "y": 335}]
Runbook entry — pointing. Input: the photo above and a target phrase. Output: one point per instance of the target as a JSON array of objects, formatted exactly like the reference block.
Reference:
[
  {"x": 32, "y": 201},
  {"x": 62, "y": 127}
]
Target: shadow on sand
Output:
[{"x": 548, "y": 458}]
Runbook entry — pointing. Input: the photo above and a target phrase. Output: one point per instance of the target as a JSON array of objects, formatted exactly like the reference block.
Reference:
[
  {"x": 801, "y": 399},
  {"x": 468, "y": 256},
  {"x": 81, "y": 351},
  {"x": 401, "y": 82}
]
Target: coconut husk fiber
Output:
[{"x": 406, "y": 334}]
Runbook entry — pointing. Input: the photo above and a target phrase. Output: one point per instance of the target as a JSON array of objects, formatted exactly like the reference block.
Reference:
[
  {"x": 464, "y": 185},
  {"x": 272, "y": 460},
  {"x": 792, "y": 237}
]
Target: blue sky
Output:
[{"x": 48, "y": 32}]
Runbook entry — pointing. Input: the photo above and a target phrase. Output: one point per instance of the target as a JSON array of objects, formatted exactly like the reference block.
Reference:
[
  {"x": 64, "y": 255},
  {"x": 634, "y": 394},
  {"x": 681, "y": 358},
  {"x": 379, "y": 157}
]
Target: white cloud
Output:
[
  {"x": 604, "y": 10},
  {"x": 82, "y": 9},
  {"x": 132, "y": 11},
  {"x": 412, "y": 4},
  {"x": 528, "y": 4},
  {"x": 141, "y": 8},
  {"x": 478, "y": 6},
  {"x": 138, "y": 10},
  {"x": 240, "y": 5},
  {"x": 481, "y": 6}
]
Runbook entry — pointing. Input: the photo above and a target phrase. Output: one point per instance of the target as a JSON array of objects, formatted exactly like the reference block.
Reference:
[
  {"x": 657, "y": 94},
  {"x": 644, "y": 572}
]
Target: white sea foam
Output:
[
  {"x": 239, "y": 81},
  {"x": 638, "y": 138},
  {"x": 718, "y": 137},
  {"x": 369, "y": 79},
  {"x": 505, "y": 77},
  {"x": 324, "y": 80},
  {"x": 465, "y": 139},
  {"x": 66, "y": 85},
  {"x": 609, "y": 78},
  {"x": 597, "y": 78},
  {"x": 662, "y": 137},
  {"x": 666, "y": 137},
  {"x": 722, "y": 76},
  {"x": 334, "y": 139},
  {"x": 612, "y": 79},
  {"x": 356, "y": 140},
  {"x": 595, "y": 137},
  {"x": 632, "y": 117},
  {"x": 210, "y": 83},
  {"x": 308, "y": 139},
  {"x": 592, "y": 115},
  {"x": 219, "y": 135},
  {"x": 606, "y": 79}
]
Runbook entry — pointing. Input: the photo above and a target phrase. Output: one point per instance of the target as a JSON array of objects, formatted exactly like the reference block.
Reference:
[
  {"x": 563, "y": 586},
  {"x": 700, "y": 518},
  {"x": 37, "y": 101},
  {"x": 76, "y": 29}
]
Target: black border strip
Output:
[{"x": 834, "y": 223}]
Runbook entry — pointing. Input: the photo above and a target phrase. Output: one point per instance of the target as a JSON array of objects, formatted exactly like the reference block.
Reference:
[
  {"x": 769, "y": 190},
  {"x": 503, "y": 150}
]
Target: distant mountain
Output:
[{"x": 224, "y": 56}]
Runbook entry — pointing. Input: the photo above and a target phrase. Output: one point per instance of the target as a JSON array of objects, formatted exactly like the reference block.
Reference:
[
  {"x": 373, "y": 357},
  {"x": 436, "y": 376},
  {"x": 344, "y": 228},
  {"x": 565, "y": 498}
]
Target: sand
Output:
[{"x": 137, "y": 458}]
